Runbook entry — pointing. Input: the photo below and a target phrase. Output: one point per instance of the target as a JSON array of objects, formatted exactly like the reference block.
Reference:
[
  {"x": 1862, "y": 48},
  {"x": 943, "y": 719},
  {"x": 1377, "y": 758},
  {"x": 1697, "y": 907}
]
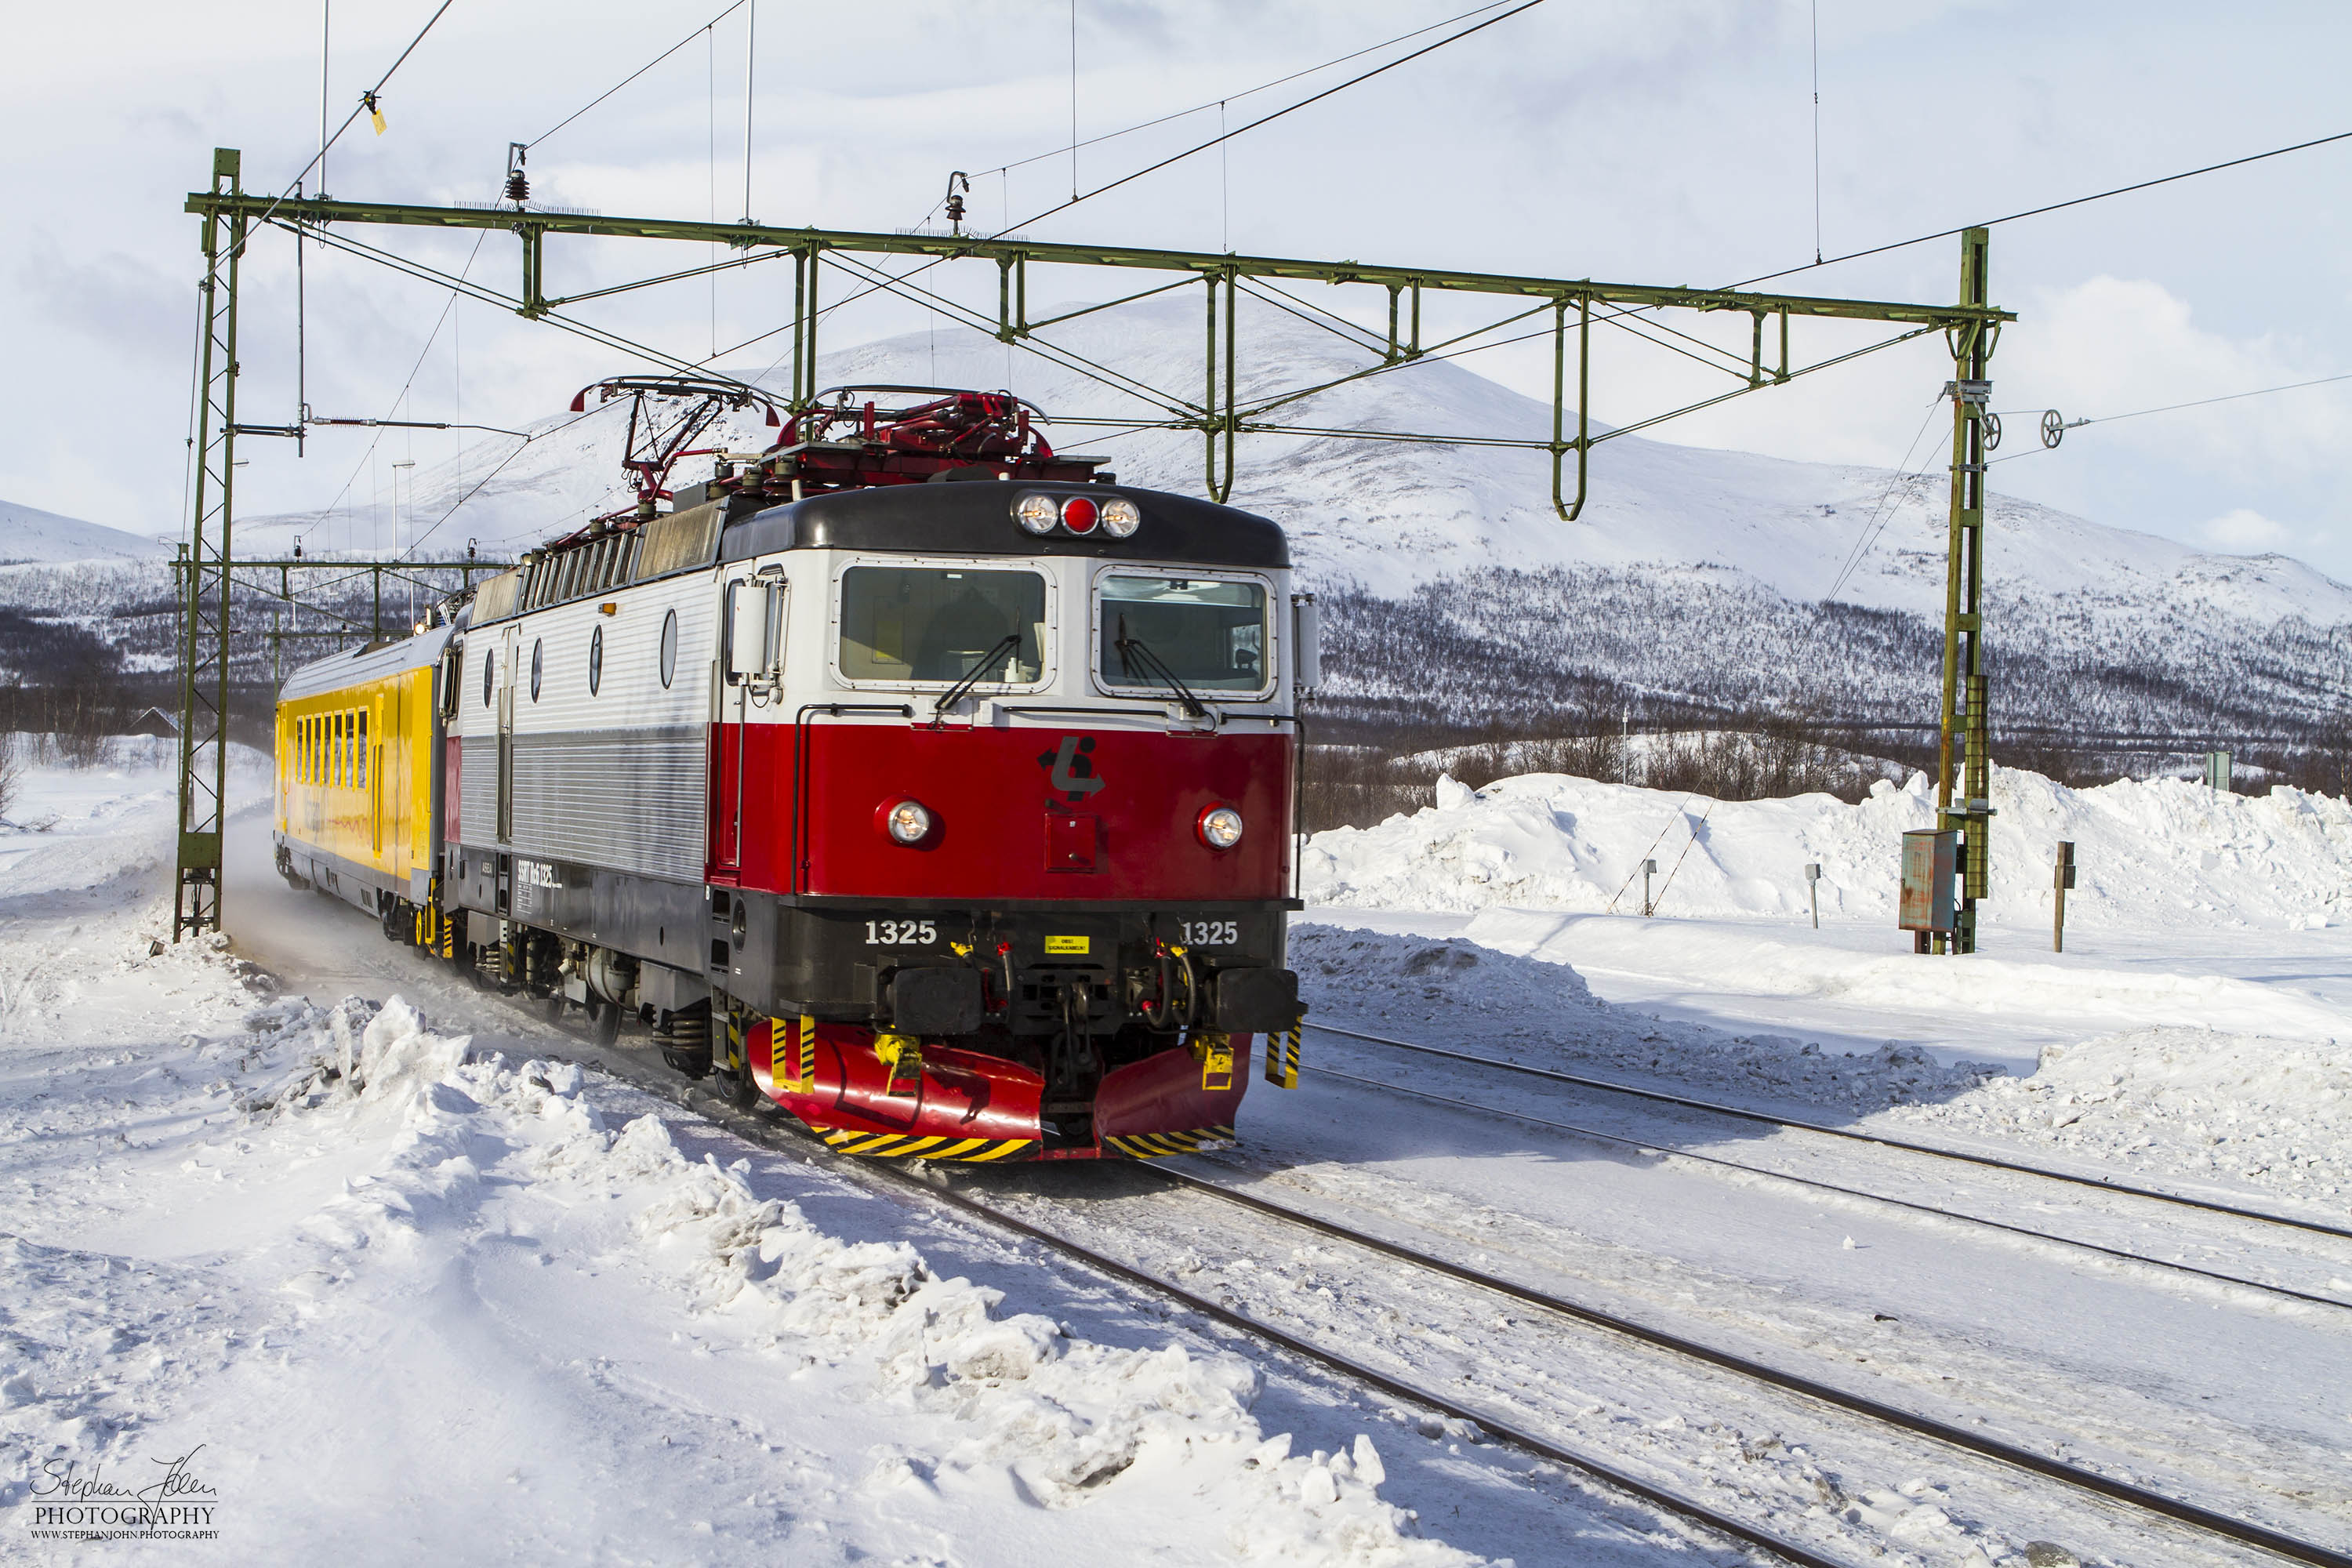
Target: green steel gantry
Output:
[{"x": 1220, "y": 415}]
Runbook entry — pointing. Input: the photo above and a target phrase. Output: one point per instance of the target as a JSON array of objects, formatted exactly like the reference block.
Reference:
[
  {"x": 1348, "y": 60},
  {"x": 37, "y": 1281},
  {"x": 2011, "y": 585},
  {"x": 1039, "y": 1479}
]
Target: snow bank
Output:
[
  {"x": 1462, "y": 995},
  {"x": 2162, "y": 851},
  {"x": 1010, "y": 1407},
  {"x": 2191, "y": 1100},
  {"x": 2195, "y": 1101}
]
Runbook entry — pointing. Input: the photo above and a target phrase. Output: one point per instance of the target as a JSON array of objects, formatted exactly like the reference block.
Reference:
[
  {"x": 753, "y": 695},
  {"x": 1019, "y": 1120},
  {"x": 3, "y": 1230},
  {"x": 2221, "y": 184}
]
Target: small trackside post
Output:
[
  {"x": 2061, "y": 879},
  {"x": 1813, "y": 890}
]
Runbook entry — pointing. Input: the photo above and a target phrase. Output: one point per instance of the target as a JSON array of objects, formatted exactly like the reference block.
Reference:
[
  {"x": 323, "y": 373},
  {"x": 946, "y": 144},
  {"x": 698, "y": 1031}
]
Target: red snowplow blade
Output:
[
  {"x": 1165, "y": 1104},
  {"x": 970, "y": 1106}
]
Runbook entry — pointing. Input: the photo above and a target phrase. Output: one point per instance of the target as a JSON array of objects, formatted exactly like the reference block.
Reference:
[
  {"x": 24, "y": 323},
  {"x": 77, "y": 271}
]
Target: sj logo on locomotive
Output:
[{"x": 1073, "y": 767}]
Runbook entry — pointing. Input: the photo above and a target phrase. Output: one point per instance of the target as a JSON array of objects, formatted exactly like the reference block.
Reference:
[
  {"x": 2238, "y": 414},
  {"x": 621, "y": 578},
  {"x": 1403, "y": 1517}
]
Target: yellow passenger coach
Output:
[{"x": 359, "y": 789}]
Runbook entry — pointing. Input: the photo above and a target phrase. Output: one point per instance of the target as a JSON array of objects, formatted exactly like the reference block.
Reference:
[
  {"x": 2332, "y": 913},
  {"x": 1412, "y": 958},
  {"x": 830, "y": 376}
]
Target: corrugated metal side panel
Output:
[
  {"x": 477, "y": 790},
  {"x": 338, "y": 671},
  {"x": 629, "y": 799}
]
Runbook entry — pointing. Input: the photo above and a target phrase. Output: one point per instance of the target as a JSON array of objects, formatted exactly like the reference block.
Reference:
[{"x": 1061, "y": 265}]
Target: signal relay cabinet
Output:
[{"x": 1930, "y": 866}]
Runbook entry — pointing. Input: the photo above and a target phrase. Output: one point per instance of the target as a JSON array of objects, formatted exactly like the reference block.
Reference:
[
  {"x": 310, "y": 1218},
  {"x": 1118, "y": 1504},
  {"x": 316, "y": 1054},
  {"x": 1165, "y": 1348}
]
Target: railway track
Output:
[
  {"x": 2168, "y": 1265},
  {"x": 2207, "y": 1520},
  {"x": 1742, "y": 1113},
  {"x": 773, "y": 1133}
]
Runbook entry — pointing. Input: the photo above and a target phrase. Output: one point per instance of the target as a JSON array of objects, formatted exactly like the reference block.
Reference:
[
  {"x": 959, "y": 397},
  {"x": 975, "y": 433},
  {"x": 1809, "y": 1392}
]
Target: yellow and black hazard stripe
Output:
[
  {"x": 1282, "y": 1058},
  {"x": 1153, "y": 1145},
  {"x": 904, "y": 1146}
]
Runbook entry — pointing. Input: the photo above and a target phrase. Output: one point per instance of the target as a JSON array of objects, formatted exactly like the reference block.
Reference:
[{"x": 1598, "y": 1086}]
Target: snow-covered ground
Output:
[{"x": 396, "y": 1278}]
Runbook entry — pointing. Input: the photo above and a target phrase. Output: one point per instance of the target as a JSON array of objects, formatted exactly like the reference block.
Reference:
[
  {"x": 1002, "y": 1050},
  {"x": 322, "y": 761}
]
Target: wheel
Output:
[
  {"x": 603, "y": 1021},
  {"x": 395, "y": 925}
]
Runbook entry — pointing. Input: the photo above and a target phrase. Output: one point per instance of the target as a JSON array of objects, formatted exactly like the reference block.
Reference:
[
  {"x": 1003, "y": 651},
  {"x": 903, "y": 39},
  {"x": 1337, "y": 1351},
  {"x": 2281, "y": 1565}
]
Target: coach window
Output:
[
  {"x": 596, "y": 659},
  {"x": 668, "y": 649},
  {"x": 359, "y": 754},
  {"x": 538, "y": 648},
  {"x": 941, "y": 624},
  {"x": 1208, "y": 633}
]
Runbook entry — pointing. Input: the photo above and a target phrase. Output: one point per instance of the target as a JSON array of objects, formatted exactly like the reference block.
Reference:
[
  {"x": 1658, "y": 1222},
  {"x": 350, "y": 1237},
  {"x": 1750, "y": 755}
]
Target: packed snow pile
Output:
[
  {"x": 2192, "y": 1101},
  {"x": 518, "y": 1275},
  {"x": 1016, "y": 1406},
  {"x": 2163, "y": 850},
  {"x": 1460, "y": 994}
]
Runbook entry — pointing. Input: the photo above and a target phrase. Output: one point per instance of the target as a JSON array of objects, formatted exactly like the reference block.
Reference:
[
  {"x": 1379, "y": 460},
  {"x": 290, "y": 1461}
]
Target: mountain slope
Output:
[
  {"x": 1693, "y": 588},
  {"x": 28, "y": 533}
]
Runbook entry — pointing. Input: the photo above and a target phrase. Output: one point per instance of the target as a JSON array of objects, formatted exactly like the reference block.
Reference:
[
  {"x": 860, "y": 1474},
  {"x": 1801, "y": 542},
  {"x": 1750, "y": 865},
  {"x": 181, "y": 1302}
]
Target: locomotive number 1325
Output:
[{"x": 897, "y": 933}]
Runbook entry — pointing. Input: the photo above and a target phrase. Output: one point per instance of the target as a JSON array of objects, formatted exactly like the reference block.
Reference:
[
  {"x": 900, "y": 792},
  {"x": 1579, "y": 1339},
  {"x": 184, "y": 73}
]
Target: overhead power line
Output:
[
  {"x": 2171, "y": 407},
  {"x": 366, "y": 105},
  {"x": 1172, "y": 158},
  {"x": 2052, "y": 208},
  {"x": 633, "y": 75},
  {"x": 1246, "y": 92}
]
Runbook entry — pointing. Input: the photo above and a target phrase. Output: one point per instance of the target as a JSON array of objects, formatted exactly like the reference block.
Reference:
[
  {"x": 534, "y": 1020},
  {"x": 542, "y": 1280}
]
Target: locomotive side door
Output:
[
  {"x": 750, "y": 645},
  {"x": 506, "y": 688}
]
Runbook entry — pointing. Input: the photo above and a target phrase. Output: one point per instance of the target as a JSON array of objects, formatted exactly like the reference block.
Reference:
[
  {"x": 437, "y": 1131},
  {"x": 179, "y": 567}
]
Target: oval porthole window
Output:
[
  {"x": 489, "y": 659},
  {"x": 596, "y": 659},
  {"x": 537, "y": 661},
  {"x": 669, "y": 649}
]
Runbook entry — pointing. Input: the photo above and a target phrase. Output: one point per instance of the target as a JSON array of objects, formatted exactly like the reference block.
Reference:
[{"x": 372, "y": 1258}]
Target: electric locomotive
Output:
[{"x": 911, "y": 774}]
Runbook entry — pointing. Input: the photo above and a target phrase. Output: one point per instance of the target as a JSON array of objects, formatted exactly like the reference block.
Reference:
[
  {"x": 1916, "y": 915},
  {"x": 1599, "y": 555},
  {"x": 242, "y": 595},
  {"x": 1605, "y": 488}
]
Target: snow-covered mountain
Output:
[
  {"x": 1695, "y": 585},
  {"x": 28, "y": 533},
  {"x": 1387, "y": 519}
]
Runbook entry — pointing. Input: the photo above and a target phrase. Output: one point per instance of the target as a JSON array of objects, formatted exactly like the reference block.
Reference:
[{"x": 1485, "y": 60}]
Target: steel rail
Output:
[
  {"x": 1992, "y": 1162},
  {"x": 2243, "y": 1532},
  {"x": 1820, "y": 1185}
]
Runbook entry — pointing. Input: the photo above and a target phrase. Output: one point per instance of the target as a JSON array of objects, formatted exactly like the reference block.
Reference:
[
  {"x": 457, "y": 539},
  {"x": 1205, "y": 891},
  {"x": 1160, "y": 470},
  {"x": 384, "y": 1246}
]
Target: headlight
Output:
[
  {"x": 907, "y": 822},
  {"x": 1221, "y": 827},
  {"x": 1079, "y": 514},
  {"x": 1038, "y": 513},
  {"x": 1120, "y": 517}
]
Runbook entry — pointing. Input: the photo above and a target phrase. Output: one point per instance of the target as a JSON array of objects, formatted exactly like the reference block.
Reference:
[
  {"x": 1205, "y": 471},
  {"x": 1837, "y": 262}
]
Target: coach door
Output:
[{"x": 506, "y": 733}]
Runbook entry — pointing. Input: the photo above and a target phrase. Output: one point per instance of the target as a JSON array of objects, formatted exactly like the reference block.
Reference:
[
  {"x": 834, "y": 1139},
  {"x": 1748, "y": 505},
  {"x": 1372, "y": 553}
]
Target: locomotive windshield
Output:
[
  {"x": 941, "y": 624},
  {"x": 1210, "y": 634}
]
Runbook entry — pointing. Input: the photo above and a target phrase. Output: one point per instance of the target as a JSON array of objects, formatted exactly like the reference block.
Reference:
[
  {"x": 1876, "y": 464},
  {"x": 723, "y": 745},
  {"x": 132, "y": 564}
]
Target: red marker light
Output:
[{"x": 1079, "y": 514}]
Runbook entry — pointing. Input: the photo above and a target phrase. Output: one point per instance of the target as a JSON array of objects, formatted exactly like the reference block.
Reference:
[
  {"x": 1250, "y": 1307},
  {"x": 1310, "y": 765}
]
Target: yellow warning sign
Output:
[{"x": 1065, "y": 944}]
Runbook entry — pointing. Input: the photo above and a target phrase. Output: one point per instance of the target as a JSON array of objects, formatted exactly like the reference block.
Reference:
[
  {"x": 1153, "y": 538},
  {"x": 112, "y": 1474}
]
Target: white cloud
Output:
[{"x": 2245, "y": 532}]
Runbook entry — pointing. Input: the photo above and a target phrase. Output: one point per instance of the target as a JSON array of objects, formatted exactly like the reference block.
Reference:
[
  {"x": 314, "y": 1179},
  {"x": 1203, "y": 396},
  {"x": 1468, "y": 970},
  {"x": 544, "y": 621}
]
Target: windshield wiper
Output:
[
  {"x": 971, "y": 678},
  {"x": 1132, "y": 652}
]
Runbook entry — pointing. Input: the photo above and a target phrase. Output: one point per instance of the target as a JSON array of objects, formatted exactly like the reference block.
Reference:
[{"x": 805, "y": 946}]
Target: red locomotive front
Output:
[{"x": 992, "y": 779}]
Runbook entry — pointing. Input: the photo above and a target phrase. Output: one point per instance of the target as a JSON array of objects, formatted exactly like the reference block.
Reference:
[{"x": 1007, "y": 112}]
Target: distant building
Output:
[{"x": 154, "y": 722}]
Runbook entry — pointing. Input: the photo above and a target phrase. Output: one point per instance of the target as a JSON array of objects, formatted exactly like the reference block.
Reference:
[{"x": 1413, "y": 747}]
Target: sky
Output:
[{"x": 1635, "y": 141}]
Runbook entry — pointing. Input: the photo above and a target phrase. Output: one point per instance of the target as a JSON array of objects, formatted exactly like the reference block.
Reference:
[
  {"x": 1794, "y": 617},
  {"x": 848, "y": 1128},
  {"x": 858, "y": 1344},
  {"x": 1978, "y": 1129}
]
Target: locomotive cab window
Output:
[
  {"x": 941, "y": 624},
  {"x": 1208, "y": 633}
]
